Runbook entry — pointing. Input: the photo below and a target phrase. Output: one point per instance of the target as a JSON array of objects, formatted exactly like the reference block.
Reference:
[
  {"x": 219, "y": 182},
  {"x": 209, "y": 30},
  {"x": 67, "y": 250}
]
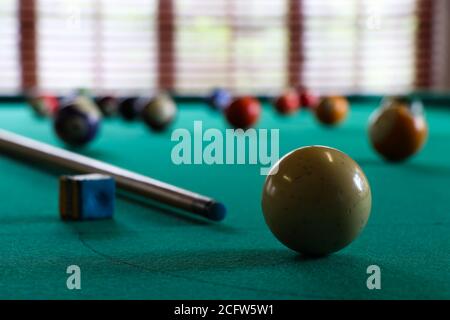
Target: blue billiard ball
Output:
[
  {"x": 77, "y": 122},
  {"x": 220, "y": 99}
]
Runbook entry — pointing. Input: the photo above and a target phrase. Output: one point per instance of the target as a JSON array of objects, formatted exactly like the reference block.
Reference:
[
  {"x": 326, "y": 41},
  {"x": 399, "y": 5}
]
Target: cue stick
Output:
[{"x": 33, "y": 150}]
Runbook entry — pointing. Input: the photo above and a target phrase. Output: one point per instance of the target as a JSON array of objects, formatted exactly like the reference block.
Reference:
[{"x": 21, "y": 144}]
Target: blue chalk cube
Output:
[{"x": 87, "y": 197}]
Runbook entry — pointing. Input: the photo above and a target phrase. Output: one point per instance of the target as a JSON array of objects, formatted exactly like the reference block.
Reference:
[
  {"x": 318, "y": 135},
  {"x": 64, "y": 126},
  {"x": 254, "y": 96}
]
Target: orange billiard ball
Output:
[
  {"x": 243, "y": 112},
  {"x": 398, "y": 129},
  {"x": 287, "y": 103},
  {"x": 332, "y": 110}
]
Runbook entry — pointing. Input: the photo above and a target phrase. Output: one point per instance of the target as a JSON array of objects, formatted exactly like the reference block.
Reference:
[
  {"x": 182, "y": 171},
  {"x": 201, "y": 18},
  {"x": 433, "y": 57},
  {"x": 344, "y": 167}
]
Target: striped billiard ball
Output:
[
  {"x": 77, "y": 122},
  {"x": 159, "y": 112}
]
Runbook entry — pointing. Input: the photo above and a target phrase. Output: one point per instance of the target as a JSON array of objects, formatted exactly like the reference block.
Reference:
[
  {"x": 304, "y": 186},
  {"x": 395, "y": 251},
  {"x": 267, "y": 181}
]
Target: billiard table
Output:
[{"x": 151, "y": 252}]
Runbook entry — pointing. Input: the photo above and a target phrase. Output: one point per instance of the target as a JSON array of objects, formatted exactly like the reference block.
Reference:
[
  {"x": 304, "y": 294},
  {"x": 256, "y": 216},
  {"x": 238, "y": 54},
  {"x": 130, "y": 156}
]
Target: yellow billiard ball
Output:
[{"x": 316, "y": 200}]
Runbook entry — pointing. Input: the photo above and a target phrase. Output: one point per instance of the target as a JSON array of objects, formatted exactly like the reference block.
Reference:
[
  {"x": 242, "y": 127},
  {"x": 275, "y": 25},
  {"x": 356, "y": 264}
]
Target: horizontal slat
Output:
[
  {"x": 243, "y": 45},
  {"x": 9, "y": 51}
]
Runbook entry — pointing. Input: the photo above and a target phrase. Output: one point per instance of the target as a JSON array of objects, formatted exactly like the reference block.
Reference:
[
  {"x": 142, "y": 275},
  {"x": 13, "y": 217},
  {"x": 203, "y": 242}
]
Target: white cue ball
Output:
[{"x": 316, "y": 200}]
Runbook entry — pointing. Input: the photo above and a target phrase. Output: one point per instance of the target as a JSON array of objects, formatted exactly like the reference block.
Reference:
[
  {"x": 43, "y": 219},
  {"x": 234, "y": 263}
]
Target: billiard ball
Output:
[
  {"x": 288, "y": 102},
  {"x": 77, "y": 122},
  {"x": 130, "y": 108},
  {"x": 84, "y": 92},
  {"x": 398, "y": 129},
  {"x": 85, "y": 100},
  {"x": 108, "y": 105},
  {"x": 332, "y": 110},
  {"x": 316, "y": 200},
  {"x": 220, "y": 99},
  {"x": 243, "y": 112},
  {"x": 307, "y": 99},
  {"x": 44, "y": 105},
  {"x": 159, "y": 112}
]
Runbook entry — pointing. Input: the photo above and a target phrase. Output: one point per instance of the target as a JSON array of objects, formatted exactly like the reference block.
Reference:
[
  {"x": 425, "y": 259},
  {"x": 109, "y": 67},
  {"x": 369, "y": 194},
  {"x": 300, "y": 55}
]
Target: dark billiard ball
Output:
[
  {"x": 220, "y": 99},
  {"x": 108, "y": 105},
  {"x": 44, "y": 105},
  {"x": 307, "y": 99},
  {"x": 130, "y": 108},
  {"x": 243, "y": 112},
  {"x": 159, "y": 112},
  {"x": 332, "y": 110},
  {"x": 77, "y": 123},
  {"x": 398, "y": 128},
  {"x": 316, "y": 200},
  {"x": 288, "y": 103}
]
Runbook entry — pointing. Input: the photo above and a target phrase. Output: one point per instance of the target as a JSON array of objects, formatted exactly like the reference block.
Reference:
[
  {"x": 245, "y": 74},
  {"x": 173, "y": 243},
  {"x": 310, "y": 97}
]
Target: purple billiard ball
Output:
[{"x": 76, "y": 124}]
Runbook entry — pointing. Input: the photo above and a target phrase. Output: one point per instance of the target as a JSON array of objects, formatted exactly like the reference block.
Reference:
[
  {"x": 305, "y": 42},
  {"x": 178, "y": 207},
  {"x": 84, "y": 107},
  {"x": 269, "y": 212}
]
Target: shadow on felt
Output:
[
  {"x": 159, "y": 213},
  {"x": 428, "y": 169},
  {"x": 166, "y": 214}
]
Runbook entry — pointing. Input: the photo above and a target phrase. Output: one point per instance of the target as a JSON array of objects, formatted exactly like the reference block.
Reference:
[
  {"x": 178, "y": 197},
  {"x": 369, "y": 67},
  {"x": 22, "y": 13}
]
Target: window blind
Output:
[
  {"x": 362, "y": 46},
  {"x": 127, "y": 50},
  {"x": 9, "y": 52},
  {"x": 65, "y": 44},
  {"x": 240, "y": 45},
  {"x": 104, "y": 45},
  {"x": 191, "y": 46}
]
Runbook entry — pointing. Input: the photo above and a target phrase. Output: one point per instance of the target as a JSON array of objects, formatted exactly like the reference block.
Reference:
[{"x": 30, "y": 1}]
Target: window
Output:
[
  {"x": 66, "y": 44},
  {"x": 191, "y": 46},
  {"x": 364, "y": 46},
  {"x": 128, "y": 52},
  {"x": 101, "y": 44},
  {"x": 240, "y": 45},
  {"x": 9, "y": 52}
]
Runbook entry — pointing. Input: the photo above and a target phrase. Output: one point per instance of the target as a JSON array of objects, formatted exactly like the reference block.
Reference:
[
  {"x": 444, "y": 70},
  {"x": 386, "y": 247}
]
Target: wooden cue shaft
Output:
[{"x": 33, "y": 150}]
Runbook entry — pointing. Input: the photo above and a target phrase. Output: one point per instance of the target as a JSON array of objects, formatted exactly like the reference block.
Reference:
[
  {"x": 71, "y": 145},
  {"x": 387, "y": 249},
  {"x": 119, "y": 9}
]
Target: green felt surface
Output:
[{"x": 145, "y": 252}]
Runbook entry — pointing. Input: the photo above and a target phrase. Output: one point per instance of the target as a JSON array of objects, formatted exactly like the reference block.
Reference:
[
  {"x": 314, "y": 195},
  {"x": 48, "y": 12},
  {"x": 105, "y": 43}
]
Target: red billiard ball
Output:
[
  {"x": 288, "y": 102},
  {"x": 307, "y": 99},
  {"x": 44, "y": 104},
  {"x": 243, "y": 112}
]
